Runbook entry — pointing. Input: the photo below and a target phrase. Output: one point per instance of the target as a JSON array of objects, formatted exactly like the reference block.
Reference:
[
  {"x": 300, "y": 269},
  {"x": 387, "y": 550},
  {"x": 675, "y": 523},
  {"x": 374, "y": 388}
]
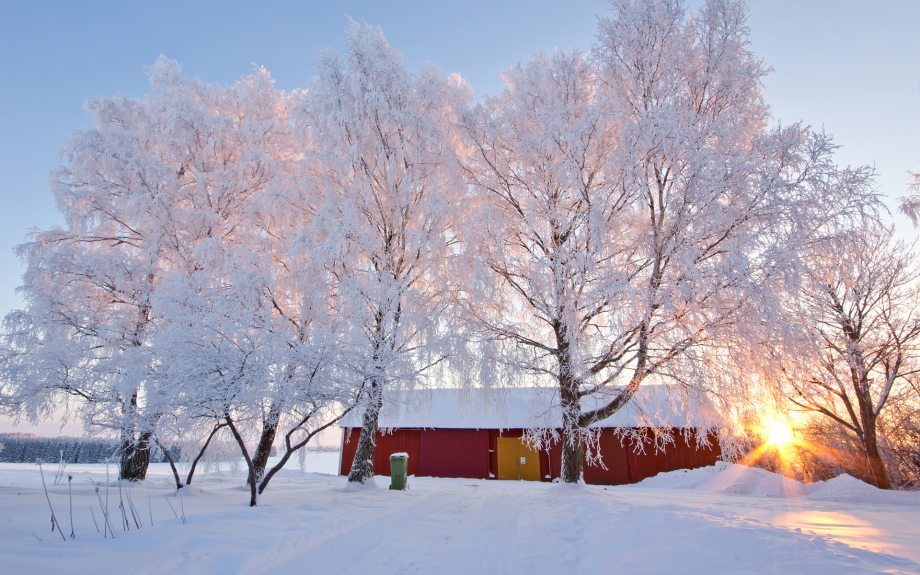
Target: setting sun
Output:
[{"x": 777, "y": 432}]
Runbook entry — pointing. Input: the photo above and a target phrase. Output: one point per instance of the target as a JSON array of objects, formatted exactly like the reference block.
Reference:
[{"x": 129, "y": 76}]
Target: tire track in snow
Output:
[
  {"x": 347, "y": 544},
  {"x": 454, "y": 530}
]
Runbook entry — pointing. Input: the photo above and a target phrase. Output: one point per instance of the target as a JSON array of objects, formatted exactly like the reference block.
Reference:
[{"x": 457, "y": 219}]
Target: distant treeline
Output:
[{"x": 18, "y": 448}]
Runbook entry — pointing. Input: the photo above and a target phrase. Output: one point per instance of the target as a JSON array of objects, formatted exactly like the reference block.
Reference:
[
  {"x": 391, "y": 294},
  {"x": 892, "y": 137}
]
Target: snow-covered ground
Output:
[{"x": 727, "y": 519}]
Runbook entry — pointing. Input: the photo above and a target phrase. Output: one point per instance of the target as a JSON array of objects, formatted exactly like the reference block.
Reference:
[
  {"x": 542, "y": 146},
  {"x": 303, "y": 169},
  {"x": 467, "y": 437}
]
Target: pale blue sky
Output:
[{"x": 851, "y": 66}]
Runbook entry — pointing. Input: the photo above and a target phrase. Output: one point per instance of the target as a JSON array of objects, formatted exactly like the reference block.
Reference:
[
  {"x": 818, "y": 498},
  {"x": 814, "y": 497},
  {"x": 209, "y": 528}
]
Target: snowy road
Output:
[{"x": 314, "y": 524}]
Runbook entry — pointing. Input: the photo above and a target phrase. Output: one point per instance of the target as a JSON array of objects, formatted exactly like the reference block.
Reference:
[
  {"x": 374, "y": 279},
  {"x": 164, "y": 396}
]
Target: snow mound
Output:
[
  {"x": 736, "y": 479},
  {"x": 190, "y": 491},
  {"x": 369, "y": 484},
  {"x": 729, "y": 478},
  {"x": 841, "y": 486},
  {"x": 848, "y": 488}
]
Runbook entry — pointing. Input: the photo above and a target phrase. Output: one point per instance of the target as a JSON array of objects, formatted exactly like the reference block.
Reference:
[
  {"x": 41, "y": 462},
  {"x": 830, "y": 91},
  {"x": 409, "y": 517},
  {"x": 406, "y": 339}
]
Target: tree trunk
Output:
[
  {"x": 263, "y": 483},
  {"x": 135, "y": 450},
  {"x": 135, "y": 457},
  {"x": 362, "y": 468},
  {"x": 878, "y": 474},
  {"x": 191, "y": 471},
  {"x": 252, "y": 472},
  {"x": 290, "y": 449},
  {"x": 264, "y": 448},
  {"x": 172, "y": 464},
  {"x": 877, "y": 469},
  {"x": 573, "y": 441}
]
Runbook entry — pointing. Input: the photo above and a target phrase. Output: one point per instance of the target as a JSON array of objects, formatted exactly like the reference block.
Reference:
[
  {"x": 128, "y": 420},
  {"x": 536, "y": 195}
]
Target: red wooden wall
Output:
[
  {"x": 472, "y": 453},
  {"x": 407, "y": 440},
  {"x": 432, "y": 452},
  {"x": 613, "y": 467},
  {"x": 454, "y": 453}
]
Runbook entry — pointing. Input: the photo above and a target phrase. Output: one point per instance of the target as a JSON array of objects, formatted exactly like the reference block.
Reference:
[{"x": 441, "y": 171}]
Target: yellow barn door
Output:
[{"x": 517, "y": 460}]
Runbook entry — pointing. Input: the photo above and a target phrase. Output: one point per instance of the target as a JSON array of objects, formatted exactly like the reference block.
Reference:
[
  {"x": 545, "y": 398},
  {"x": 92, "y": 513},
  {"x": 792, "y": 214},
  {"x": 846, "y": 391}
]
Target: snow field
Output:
[{"x": 680, "y": 522}]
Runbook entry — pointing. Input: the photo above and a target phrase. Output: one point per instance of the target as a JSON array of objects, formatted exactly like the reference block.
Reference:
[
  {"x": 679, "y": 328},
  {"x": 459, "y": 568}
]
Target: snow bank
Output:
[
  {"x": 369, "y": 485},
  {"x": 735, "y": 479},
  {"x": 848, "y": 488},
  {"x": 729, "y": 478}
]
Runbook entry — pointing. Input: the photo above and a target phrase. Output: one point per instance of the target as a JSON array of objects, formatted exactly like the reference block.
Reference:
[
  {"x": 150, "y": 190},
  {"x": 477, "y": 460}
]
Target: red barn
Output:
[{"x": 460, "y": 433}]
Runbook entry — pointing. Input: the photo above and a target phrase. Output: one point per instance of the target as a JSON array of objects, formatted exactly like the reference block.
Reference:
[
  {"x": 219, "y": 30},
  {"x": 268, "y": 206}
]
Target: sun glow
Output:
[
  {"x": 778, "y": 448},
  {"x": 777, "y": 432}
]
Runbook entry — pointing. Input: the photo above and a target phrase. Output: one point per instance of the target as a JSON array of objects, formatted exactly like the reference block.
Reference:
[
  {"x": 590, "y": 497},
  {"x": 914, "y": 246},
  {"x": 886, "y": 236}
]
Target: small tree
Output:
[{"x": 857, "y": 341}]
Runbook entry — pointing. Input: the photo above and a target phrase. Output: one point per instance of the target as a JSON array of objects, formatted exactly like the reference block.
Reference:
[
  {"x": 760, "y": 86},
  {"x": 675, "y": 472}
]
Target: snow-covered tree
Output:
[
  {"x": 634, "y": 210},
  {"x": 857, "y": 337},
  {"x": 87, "y": 328},
  {"x": 248, "y": 334},
  {"x": 910, "y": 205},
  {"x": 213, "y": 330},
  {"x": 385, "y": 162},
  {"x": 312, "y": 387},
  {"x": 549, "y": 229},
  {"x": 161, "y": 276}
]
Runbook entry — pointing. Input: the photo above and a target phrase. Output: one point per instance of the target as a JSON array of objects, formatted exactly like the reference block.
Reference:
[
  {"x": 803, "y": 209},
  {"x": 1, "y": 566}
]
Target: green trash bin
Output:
[{"x": 399, "y": 467}]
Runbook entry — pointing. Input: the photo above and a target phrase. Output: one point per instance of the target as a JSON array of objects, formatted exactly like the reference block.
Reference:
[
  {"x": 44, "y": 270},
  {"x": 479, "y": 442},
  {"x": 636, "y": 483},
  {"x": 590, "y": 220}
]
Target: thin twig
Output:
[
  {"x": 54, "y": 520},
  {"x": 93, "y": 514},
  {"x": 134, "y": 514},
  {"x": 105, "y": 515},
  {"x": 173, "y": 509},
  {"x": 121, "y": 507},
  {"x": 150, "y": 509},
  {"x": 106, "y": 510},
  {"x": 70, "y": 500}
]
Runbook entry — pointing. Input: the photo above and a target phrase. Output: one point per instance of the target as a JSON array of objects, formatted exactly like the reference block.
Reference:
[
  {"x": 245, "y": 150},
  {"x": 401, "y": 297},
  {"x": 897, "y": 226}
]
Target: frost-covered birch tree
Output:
[
  {"x": 160, "y": 281},
  {"x": 548, "y": 229},
  {"x": 386, "y": 163},
  {"x": 856, "y": 349},
  {"x": 239, "y": 148},
  {"x": 635, "y": 209},
  {"x": 87, "y": 328},
  {"x": 245, "y": 312},
  {"x": 214, "y": 333}
]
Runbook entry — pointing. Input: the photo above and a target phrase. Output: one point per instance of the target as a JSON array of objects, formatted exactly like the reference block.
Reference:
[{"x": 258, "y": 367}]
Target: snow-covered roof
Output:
[{"x": 533, "y": 407}]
